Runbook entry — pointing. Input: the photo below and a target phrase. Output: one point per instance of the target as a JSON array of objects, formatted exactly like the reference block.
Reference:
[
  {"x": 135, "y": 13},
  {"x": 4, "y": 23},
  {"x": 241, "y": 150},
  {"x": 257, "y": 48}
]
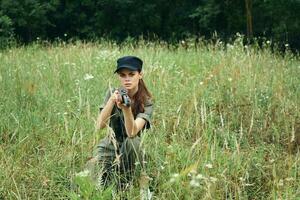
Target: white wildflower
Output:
[
  {"x": 194, "y": 183},
  {"x": 84, "y": 173},
  {"x": 175, "y": 175},
  {"x": 200, "y": 176},
  {"x": 88, "y": 77},
  {"x": 209, "y": 166},
  {"x": 213, "y": 179},
  {"x": 268, "y": 42},
  {"x": 229, "y": 46},
  {"x": 201, "y": 83},
  {"x": 290, "y": 179},
  {"x": 229, "y": 79},
  {"x": 137, "y": 163},
  {"x": 68, "y": 101},
  {"x": 280, "y": 182},
  {"x": 174, "y": 178}
]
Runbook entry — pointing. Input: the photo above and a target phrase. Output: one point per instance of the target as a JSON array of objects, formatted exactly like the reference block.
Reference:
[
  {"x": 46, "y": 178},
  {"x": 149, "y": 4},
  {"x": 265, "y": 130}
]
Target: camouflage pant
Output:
[{"x": 121, "y": 159}]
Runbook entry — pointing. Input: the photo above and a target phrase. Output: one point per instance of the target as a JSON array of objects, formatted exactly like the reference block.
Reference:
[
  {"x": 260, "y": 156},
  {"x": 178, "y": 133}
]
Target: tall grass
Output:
[{"x": 226, "y": 122}]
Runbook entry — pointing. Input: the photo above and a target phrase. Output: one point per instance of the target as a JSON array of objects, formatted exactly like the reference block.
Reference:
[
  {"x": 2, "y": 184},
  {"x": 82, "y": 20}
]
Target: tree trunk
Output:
[{"x": 248, "y": 4}]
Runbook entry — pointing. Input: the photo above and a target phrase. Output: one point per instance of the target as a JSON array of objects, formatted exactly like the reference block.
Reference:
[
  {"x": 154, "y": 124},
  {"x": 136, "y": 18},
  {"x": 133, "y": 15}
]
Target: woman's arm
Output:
[
  {"x": 105, "y": 113},
  {"x": 132, "y": 126}
]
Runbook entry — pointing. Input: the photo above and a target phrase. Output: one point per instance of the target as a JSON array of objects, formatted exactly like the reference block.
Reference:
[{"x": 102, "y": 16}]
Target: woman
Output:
[{"x": 120, "y": 151}]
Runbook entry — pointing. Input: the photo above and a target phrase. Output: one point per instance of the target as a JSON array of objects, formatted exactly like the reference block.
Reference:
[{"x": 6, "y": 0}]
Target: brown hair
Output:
[{"x": 140, "y": 98}]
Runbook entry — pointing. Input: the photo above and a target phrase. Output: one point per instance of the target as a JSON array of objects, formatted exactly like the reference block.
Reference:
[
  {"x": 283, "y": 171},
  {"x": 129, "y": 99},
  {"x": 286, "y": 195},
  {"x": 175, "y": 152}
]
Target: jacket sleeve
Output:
[{"x": 147, "y": 114}]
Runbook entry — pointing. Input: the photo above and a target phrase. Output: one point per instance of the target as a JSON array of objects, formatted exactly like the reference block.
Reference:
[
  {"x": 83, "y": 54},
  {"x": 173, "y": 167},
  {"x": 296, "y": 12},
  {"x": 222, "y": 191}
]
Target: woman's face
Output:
[{"x": 129, "y": 79}]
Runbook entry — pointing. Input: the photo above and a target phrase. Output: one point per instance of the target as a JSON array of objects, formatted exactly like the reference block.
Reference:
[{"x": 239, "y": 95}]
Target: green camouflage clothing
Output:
[{"x": 117, "y": 151}]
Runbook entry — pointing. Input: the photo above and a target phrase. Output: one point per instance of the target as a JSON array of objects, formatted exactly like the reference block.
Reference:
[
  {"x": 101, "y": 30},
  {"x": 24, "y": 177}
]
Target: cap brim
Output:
[{"x": 126, "y": 67}]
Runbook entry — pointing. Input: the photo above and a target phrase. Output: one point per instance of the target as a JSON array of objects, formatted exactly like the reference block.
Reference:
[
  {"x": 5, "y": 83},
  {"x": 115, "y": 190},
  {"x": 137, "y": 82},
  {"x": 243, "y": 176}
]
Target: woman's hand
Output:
[{"x": 117, "y": 99}]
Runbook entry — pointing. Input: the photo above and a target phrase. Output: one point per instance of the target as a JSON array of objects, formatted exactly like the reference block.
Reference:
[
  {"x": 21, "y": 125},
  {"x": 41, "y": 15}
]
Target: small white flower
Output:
[
  {"x": 286, "y": 45},
  {"x": 172, "y": 180},
  {"x": 65, "y": 113},
  {"x": 268, "y": 42},
  {"x": 88, "y": 77},
  {"x": 201, "y": 83},
  {"x": 229, "y": 46},
  {"x": 209, "y": 166},
  {"x": 65, "y": 35},
  {"x": 213, "y": 179},
  {"x": 194, "y": 183},
  {"x": 84, "y": 173},
  {"x": 68, "y": 101},
  {"x": 200, "y": 176},
  {"x": 229, "y": 79},
  {"x": 280, "y": 183},
  {"x": 137, "y": 163},
  {"x": 290, "y": 179}
]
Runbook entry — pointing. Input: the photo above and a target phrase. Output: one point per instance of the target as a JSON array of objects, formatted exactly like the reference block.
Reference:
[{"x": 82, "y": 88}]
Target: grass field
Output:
[{"x": 226, "y": 123}]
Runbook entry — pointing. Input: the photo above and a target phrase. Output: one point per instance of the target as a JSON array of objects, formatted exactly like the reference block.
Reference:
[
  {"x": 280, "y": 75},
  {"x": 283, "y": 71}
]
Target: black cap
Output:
[{"x": 132, "y": 63}]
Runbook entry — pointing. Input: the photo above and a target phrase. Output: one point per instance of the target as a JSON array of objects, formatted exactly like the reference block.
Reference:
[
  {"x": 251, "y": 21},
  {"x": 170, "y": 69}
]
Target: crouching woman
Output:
[{"x": 120, "y": 151}]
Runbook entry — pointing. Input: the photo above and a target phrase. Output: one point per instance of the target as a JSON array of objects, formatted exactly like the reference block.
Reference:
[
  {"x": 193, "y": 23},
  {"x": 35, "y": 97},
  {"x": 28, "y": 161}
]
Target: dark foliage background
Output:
[{"x": 168, "y": 20}]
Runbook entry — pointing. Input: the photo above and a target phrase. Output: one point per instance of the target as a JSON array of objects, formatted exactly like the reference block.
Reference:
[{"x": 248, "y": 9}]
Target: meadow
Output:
[{"x": 226, "y": 123}]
